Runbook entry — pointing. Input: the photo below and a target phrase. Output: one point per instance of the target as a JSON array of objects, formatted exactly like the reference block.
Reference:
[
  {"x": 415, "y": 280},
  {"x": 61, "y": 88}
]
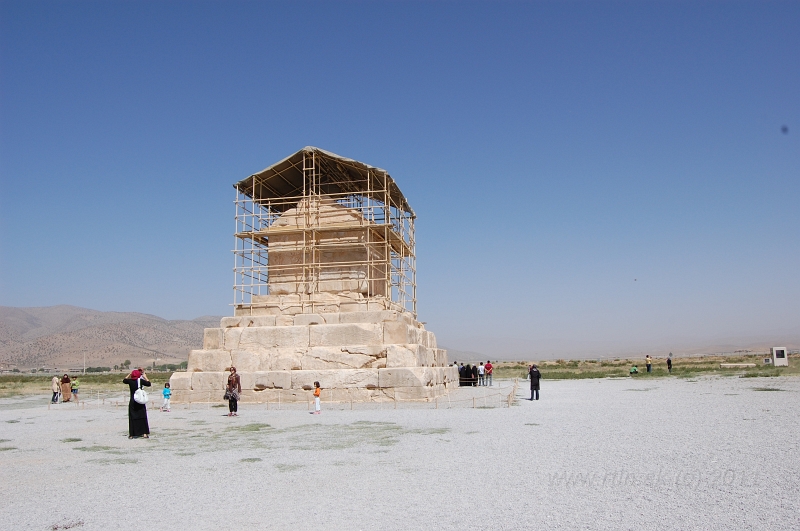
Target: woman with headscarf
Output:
[
  {"x": 535, "y": 376},
  {"x": 137, "y": 413},
  {"x": 56, "y": 385},
  {"x": 66, "y": 388},
  {"x": 232, "y": 391}
]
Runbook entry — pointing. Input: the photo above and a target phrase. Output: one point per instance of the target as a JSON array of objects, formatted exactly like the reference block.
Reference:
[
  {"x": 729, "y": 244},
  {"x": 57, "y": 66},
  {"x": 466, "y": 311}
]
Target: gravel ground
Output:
[{"x": 712, "y": 453}]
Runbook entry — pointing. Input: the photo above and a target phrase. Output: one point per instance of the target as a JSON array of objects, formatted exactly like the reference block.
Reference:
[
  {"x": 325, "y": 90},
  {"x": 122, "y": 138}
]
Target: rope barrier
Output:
[{"x": 505, "y": 394}]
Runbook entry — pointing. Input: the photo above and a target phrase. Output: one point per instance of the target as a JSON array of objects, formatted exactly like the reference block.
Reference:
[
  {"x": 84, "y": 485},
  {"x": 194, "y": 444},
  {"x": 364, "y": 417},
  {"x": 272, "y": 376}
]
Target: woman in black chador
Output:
[
  {"x": 474, "y": 379},
  {"x": 137, "y": 413},
  {"x": 535, "y": 376}
]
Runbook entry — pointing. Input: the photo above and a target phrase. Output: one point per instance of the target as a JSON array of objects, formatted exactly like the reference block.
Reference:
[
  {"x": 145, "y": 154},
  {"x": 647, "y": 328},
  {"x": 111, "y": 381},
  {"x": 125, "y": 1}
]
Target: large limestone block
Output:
[
  {"x": 258, "y": 381},
  {"x": 261, "y": 311},
  {"x": 426, "y": 357},
  {"x": 366, "y": 378},
  {"x": 246, "y": 361},
  {"x": 283, "y": 359},
  {"x": 284, "y": 320},
  {"x": 230, "y": 322},
  {"x": 428, "y": 338},
  {"x": 231, "y": 337},
  {"x": 182, "y": 396},
  {"x": 245, "y": 321},
  {"x": 352, "y": 394},
  {"x": 317, "y": 358},
  {"x": 259, "y": 320},
  {"x": 209, "y": 381},
  {"x": 345, "y": 334},
  {"x": 401, "y": 356},
  {"x": 212, "y": 338},
  {"x": 180, "y": 381},
  {"x": 209, "y": 360},
  {"x": 353, "y": 306},
  {"x": 331, "y": 315},
  {"x": 374, "y": 317},
  {"x": 407, "y": 377},
  {"x": 260, "y": 338},
  {"x": 400, "y": 333},
  {"x": 440, "y": 357},
  {"x": 273, "y": 396},
  {"x": 307, "y": 319},
  {"x": 416, "y": 392}
]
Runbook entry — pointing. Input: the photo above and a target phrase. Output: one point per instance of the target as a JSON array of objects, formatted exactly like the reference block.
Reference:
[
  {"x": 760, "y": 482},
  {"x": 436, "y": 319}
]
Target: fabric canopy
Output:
[{"x": 337, "y": 175}]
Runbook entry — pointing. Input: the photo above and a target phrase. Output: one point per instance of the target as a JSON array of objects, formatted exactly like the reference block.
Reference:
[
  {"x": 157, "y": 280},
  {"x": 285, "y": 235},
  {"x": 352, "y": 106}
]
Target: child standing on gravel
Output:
[
  {"x": 167, "y": 394},
  {"x": 317, "y": 393}
]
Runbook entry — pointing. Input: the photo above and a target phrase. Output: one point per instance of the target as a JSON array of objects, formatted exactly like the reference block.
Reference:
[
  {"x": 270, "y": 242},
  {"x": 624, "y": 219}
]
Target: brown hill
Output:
[{"x": 59, "y": 336}]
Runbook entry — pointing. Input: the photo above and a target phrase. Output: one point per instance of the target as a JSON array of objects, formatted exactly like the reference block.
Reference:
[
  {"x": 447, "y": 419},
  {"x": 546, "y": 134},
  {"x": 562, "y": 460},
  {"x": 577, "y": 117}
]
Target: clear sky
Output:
[{"x": 589, "y": 178}]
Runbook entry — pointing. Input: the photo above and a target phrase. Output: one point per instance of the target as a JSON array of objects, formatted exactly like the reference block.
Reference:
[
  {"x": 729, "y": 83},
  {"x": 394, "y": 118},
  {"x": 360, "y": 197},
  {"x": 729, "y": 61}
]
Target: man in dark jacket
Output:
[{"x": 535, "y": 376}]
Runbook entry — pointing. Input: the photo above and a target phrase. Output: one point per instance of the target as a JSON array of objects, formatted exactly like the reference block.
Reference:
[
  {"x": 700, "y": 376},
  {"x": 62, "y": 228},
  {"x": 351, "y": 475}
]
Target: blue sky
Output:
[{"x": 553, "y": 152}]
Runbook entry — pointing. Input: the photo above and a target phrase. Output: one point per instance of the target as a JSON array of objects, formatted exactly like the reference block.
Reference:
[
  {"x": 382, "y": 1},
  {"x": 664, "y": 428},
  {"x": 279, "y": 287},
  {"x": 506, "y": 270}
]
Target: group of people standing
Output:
[
  {"x": 65, "y": 388},
  {"x": 233, "y": 391},
  {"x": 648, "y": 361},
  {"x": 474, "y": 375}
]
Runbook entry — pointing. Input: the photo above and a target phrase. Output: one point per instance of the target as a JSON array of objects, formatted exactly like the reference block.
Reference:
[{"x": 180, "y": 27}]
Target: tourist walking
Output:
[
  {"x": 649, "y": 362},
  {"x": 137, "y": 413},
  {"x": 232, "y": 391},
  {"x": 167, "y": 393},
  {"x": 66, "y": 388},
  {"x": 489, "y": 369},
  {"x": 535, "y": 376},
  {"x": 317, "y": 394},
  {"x": 669, "y": 362},
  {"x": 56, "y": 386},
  {"x": 74, "y": 385}
]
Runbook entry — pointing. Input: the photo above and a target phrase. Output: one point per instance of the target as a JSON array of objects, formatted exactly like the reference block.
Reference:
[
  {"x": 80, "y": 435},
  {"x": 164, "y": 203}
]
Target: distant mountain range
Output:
[{"x": 59, "y": 336}]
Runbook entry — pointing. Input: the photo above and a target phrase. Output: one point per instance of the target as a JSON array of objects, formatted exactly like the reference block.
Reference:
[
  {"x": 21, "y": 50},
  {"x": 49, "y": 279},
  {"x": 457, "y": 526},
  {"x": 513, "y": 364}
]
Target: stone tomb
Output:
[
  {"x": 336, "y": 326},
  {"x": 338, "y": 260}
]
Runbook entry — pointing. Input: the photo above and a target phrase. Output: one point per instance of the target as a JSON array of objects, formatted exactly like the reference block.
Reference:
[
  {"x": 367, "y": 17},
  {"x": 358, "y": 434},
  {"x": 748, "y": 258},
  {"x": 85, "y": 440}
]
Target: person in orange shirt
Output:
[{"x": 317, "y": 393}]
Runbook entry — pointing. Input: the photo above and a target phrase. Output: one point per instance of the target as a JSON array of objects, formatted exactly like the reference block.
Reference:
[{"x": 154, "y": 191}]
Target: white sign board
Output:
[{"x": 780, "y": 357}]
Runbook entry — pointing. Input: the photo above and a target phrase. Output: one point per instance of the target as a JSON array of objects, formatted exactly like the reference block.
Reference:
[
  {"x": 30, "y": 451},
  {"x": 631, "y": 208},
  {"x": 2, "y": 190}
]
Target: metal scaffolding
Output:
[{"x": 329, "y": 225}]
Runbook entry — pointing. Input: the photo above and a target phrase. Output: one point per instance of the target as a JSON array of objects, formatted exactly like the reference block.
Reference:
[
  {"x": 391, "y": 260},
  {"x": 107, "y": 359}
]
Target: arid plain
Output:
[{"x": 709, "y": 452}]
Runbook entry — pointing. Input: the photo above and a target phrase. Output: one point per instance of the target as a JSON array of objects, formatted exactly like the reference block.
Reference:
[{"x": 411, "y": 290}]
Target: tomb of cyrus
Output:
[{"x": 324, "y": 290}]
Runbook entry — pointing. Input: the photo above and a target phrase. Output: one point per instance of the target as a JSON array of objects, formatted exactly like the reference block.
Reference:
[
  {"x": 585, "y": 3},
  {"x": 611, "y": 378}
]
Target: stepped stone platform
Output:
[{"x": 356, "y": 355}]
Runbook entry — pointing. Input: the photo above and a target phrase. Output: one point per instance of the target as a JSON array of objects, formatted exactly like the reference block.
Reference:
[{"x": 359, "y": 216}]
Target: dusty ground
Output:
[{"x": 713, "y": 453}]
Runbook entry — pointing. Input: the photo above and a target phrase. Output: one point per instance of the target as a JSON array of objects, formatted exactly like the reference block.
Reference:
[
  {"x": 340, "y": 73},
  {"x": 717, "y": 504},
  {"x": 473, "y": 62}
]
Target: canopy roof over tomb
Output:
[{"x": 334, "y": 175}]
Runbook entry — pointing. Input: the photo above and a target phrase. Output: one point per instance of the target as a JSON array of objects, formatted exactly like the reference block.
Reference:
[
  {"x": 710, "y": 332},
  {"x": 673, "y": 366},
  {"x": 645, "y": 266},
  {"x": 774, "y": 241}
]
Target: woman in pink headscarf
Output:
[{"x": 137, "y": 413}]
